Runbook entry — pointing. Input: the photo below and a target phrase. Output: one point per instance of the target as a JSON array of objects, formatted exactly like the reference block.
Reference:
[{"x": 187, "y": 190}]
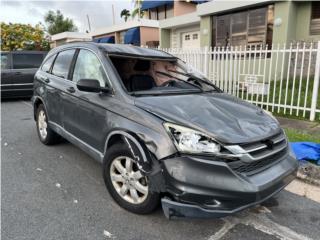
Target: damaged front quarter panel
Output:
[{"x": 148, "y": 165}]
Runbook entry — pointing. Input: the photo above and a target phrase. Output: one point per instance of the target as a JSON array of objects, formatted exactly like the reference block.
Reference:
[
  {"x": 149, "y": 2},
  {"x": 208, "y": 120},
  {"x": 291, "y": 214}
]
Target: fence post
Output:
[
  {"x": 206, "y": 62},
  {"x": 315, "y": 86}
]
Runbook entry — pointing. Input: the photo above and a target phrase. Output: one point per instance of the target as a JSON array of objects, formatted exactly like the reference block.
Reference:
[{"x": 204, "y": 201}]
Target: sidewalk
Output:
[{"x": 306, "y": 126}]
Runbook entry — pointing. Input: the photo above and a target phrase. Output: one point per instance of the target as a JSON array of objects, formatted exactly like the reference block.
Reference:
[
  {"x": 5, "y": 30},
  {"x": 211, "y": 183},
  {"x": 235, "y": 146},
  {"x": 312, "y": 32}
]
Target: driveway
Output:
[{"x": 57, "y": 192}]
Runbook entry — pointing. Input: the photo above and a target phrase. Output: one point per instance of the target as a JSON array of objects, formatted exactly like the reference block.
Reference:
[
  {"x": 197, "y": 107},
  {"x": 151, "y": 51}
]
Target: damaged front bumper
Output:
[{"x": 205, "y": 188}]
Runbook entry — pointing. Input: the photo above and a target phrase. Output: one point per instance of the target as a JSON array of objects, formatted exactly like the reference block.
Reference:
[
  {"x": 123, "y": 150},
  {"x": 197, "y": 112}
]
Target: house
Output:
[
  {"x": 181, "y": 27},
  {"x": 225, "y": 23},
  {"x": 143, "y": 32},
  {"x": 67, "y": 37},
  {"x": 258, "y": 22}
]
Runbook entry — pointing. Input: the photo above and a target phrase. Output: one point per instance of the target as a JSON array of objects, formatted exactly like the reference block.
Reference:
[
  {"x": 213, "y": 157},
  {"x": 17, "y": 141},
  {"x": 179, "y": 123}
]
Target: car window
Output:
[
  {"x": 88, "y": 66},
  {"x": 4, "y": 61},
  {"x": 47, "y": 64},
  {"x": 62, "y": 63},
  {"x": 26, "y": 60}
]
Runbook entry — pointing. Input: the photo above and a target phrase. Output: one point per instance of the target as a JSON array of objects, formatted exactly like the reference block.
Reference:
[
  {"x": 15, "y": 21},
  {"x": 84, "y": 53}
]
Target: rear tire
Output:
[
  {"x": 46, "y": 135},
  {"x": 127, "y": 186}
]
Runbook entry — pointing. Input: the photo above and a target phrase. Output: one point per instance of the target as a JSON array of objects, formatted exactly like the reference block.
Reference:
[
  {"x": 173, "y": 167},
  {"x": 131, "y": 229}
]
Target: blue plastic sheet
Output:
[{"x": 306, "y": 151}]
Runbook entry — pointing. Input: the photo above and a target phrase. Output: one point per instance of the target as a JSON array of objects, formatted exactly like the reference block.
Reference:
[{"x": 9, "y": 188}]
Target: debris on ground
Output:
[
  {"x": 75, "y": 201},
  {"x": 39, "y": 169},
  {"x": 107, "y": 234},
  {"x": 309, "y": 172},
  {"x": 58, "y": 185},
  {"x": 5, "y": 144}
]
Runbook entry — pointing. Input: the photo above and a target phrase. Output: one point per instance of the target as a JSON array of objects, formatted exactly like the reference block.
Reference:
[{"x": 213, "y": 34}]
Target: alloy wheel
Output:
[
  {"x": 42, "y": 124},
  {"x": 128, "y": 181}
]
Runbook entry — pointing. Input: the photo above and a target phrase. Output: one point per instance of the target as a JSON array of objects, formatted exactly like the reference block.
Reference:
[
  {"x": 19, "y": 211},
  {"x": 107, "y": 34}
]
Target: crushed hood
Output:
[{"x": 227, "y": 118}]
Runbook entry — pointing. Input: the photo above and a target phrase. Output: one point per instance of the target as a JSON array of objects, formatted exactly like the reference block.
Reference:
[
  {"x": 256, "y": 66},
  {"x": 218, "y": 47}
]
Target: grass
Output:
[
  {"x": 295, "y": 135},
  {"x": 280, "y": 95}
]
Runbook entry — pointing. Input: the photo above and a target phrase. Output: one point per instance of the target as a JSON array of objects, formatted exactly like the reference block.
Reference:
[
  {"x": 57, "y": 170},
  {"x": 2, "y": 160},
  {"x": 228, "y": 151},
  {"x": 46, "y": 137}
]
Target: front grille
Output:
[{"x": 260, "y": 155}]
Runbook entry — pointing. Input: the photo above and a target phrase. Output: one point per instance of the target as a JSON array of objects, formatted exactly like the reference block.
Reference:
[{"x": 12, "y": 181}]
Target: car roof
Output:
[{"x": 122, "y": 50}]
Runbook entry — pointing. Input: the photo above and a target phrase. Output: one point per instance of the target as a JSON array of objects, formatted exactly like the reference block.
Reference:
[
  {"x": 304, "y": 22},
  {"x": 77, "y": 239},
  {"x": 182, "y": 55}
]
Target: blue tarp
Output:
[
  {"x": 109, "y": 39},
  {"x": 153, "y": 4},
  {"x": 132, "y": 36},
  {"x": 306, "y": 151}
]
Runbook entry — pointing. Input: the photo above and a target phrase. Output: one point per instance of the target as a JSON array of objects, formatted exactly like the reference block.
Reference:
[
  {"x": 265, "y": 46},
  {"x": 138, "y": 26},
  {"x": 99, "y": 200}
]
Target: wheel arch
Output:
[
  {"x": 129, "y": 139},
  {"x": 36, "y": 102},
  {"x": 146, "y": 159}
]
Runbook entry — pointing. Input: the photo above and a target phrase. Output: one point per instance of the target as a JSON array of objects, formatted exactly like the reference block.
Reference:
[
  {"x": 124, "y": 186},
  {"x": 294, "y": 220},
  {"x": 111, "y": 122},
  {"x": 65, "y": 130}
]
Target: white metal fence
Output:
[{"x": 282, "y": 79}]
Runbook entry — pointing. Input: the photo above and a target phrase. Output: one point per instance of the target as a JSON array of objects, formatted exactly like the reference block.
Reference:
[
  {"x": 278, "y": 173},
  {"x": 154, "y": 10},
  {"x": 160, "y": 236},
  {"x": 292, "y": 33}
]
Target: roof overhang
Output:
[
  {"x": 125, "y": 26},
  {"x": 215, "y": 7},
  {"x": 73, "y": 35},
  {"x": 180, "y": 21},
  {"x": 153, "y": 4}
]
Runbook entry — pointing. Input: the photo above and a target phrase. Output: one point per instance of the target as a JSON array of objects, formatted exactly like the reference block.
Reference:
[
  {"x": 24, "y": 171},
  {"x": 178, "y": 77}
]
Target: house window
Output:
[
  {"x": 195, "y": 36},
  {"x": 169, "y": 11},
  {"x": 315, "y": 19},
  {"x": 161, "y": 12},
  {"x": 153, "y": 14},
  {"x": 251, "y": 27},
  {"x": 187, "y": 37}
]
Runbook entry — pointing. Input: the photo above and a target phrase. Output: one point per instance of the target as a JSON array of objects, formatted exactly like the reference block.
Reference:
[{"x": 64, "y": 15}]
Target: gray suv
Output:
[{"x": 161, "y": 130}]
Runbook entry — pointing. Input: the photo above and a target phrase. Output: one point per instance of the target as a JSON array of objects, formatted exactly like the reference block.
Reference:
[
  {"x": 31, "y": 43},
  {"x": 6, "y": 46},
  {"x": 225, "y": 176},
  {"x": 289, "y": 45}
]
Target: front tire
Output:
[
  {"x": 46, "y": 135},
  {"x": 125, "y": 182}
]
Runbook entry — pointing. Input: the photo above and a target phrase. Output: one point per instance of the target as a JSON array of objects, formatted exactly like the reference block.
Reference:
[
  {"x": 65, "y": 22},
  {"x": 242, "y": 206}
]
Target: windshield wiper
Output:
[
  {"x": 179, "y": 79},
  {"x": 198, "y": 79}
]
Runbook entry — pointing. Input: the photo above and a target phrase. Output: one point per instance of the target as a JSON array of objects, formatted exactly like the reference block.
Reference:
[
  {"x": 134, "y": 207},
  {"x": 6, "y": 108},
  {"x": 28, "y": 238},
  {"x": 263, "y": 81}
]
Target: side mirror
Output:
[{"x": 90, "y": 85}]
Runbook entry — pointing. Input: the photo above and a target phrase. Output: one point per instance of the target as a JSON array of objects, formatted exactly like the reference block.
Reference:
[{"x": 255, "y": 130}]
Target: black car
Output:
[
  {"x": 17, "y": 72},
  {"x": 161, "y": 130}
]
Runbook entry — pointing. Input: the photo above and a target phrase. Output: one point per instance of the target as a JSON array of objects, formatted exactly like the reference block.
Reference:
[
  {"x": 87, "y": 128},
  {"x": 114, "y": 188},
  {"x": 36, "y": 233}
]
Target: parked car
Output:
[
  {"x": 161, "y": 130},
  {"x": 17, "y": 72}
]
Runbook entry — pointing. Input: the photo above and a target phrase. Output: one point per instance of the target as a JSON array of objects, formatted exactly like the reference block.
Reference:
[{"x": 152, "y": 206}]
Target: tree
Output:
[
  {"x": 23, "y": 37},
  {"x": 137, "y": 10},
  {"x": 57, "y": 23},
  {"x": 125, "y": 13}
]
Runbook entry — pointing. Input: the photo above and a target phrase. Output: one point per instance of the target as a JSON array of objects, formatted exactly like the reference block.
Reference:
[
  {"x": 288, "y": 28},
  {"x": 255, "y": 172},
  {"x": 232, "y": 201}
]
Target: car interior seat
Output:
[{"x": 142, "y": 81}]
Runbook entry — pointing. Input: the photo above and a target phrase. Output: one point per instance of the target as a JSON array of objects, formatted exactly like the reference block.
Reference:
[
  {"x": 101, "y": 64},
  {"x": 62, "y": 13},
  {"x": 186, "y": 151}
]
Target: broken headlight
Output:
[{"x": 191, "y": 141}]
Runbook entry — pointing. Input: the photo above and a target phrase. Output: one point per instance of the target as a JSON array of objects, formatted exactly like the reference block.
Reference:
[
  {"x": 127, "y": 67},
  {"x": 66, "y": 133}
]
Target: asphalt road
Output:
[{"x": 57, "y": 192}]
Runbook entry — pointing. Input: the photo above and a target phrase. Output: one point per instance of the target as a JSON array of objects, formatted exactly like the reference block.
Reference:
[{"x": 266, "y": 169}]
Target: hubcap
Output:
[
  {"x": 42, "y": 124},
  {"x": 128, "y": 181}
]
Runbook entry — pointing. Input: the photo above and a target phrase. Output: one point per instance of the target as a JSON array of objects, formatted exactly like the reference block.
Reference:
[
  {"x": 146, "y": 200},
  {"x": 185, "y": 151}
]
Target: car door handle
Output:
[
  {"x": 71, "y": 89},
  {"x": 47, "y": 80},
  {"x": 17, "y": 73}
]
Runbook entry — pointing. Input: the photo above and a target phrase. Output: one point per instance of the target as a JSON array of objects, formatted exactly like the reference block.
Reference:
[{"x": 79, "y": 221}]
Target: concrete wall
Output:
[
  {"x": 148, "y": 34},
  {"x": 205, "y": 31},
  {"x": 285, "y": 33},
  {"x": 303, "y": 22},
  {"x": 165, "y": 38},
  {"x": 181, "y": 8}
]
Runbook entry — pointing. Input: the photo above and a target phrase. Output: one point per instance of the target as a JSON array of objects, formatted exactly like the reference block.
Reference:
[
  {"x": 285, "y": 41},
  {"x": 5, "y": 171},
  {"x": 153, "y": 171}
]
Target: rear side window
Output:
[
  {"x": 47, "y": 64},
  {"x": 62, "y": 63},
  {"x": 4, "y": 61},
  {"x": 26, "y": 60}
]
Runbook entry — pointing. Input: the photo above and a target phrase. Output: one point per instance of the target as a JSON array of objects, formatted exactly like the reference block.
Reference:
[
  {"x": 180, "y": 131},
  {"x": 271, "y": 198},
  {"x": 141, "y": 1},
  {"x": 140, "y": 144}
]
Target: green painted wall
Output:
[
  {"x": 205, "y": 31},
  {"x": 164, "y": 38},
  {"x": 303, "y": 22},
  {"x": 285, "y": 33}
]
